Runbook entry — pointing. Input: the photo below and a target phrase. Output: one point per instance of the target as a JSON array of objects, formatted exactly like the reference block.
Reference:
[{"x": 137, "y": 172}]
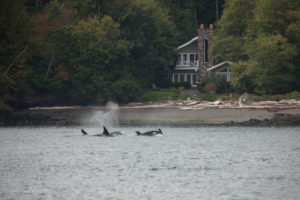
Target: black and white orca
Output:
[
  {"x": 114, "y": 133},
  {"x": 150, "y": 133},
  {"x": 105, "y": 133}
]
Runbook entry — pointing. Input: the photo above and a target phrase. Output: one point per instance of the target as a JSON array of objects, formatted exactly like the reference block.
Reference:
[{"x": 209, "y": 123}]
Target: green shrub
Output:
[
  {"x": 125, "y": 90},
  {"x": 294, "y": 95},
  {"x": 210, "y": 88},
  {"x": 155, "y": 95},
  {"x": 274, "y": 97},
  {"x": 220, "y": 82},
  {"x": 186, "y": 85},
  {"x": 209, "y": 97}
]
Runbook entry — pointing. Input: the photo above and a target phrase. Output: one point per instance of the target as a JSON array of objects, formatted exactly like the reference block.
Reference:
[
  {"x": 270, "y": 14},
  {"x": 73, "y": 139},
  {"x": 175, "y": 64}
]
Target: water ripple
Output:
[{"x": 186, "y": 163}]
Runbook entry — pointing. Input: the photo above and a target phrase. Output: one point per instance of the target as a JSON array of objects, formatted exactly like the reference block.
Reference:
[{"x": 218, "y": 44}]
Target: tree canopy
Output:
[
  {"x": 262, "y": 38},
  {"x": 88, "y": 51}
]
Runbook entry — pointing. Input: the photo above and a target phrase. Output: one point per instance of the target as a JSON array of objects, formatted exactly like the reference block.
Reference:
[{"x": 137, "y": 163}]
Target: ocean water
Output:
[{"x": 186, "y": 163}]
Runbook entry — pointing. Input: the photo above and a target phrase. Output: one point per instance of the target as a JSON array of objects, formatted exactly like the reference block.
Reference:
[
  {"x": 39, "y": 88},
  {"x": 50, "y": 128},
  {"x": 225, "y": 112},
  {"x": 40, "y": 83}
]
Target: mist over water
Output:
[{"x": 108, "y": 117}]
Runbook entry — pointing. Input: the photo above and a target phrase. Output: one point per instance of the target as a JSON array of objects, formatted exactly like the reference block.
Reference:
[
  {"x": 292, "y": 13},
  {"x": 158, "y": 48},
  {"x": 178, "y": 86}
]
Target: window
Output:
[
  {"x": 205, "y": 47},
  {"x": 175, "y": 78},
  {"x": 181, "y": 77},
  {"x": 194, "y": 79},
  {"x": 188, "y": 78},
  {"x": 193, "y": 59},
  {"x": 184, "y": 59}
]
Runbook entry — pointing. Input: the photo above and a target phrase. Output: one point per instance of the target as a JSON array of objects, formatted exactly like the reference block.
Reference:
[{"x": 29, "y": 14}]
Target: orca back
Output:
[
  {"x": 105, "y": 131},
  {"x": 84, "y": 132},
  {"x": 138, "y": 133},
  {"x": 159, "y": 131}
]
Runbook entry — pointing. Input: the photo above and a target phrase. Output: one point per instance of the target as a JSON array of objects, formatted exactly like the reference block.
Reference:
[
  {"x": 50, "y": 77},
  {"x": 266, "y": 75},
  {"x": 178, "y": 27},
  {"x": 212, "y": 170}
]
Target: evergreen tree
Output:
[
  {"x": 14, "y": 45},
  {"x": 92, "y": 55},
  {"x": 260, "y": 37}
]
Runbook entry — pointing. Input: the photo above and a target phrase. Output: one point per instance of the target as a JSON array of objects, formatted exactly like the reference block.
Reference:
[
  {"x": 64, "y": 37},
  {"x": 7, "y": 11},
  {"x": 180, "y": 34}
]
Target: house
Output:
[
  {"x": 222, "y": 69},
  {"x": 194, "y": 60}
]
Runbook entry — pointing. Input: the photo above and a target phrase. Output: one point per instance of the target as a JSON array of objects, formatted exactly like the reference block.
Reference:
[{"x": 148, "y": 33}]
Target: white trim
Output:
[
  {"x": 186, "y": 44},
  {"x": 227, "y": 75},
  {"x": 218, "y": 65},
  {"x": 184, "y": 77},
  {"x": 187, "y": 64}
]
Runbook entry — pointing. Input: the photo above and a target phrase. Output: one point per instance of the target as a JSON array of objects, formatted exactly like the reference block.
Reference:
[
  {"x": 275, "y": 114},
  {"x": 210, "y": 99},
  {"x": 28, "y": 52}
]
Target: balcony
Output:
[{"x": 187, "y": 65}]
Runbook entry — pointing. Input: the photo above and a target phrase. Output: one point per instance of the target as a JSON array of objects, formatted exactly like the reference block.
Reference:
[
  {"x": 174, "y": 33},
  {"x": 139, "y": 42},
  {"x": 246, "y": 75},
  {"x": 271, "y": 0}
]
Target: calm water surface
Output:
[{"x": 186, "y": 163}]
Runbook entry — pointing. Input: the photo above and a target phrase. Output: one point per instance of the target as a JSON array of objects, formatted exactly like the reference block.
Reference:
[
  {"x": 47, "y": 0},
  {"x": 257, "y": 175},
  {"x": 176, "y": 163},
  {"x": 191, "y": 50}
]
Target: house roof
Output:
[
  {"x": 218, "y": 65},
  {"x": 186, "y": 44}
]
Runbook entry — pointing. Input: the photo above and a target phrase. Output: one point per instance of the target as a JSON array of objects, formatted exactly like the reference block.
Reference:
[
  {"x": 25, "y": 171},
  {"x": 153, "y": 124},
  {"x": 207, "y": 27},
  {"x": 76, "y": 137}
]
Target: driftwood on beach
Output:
[
  {"x": 285, "y": 112},
  {"x": 197, "y": 105}
]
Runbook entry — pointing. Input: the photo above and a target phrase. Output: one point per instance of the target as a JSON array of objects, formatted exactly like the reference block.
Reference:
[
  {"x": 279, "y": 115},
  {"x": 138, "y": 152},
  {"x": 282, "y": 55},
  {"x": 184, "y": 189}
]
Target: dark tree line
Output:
[
  {"x": 87, "y": 51},
  {"x": 262, "y": 38}
]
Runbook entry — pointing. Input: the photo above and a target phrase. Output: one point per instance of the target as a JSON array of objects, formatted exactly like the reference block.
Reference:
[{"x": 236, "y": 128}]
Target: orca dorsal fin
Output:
[
  {"x": 105, "y": 131},
  {"x": 159, "y": 130},
  {"x": 83, "y": 132}
]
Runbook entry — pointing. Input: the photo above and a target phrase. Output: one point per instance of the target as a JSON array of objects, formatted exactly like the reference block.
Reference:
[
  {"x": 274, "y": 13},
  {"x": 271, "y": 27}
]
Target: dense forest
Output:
[
  {"x": 262, "y": 38},
  {"x": 90, "y": 51}
]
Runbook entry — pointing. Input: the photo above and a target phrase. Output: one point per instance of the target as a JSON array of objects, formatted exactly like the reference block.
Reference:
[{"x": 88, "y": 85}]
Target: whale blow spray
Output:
[{"x": 107, "y": 117}]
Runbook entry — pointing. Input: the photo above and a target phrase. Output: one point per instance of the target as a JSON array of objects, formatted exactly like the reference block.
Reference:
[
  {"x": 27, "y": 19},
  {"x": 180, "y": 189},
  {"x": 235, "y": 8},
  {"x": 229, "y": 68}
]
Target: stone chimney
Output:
[{"x": 205, "y": 57}]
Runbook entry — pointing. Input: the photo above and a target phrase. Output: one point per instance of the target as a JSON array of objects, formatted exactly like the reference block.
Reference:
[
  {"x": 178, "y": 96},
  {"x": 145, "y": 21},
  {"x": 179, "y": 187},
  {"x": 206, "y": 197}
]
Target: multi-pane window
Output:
[
  {"x": 194, "y": 79},
  {"x": 176, "y": 78},
  {"x": 188, "y": 78},
  {"x": 181, "y": 77},
  {"x": 187, "y": 59},
  {"x": 184, "y": 59},
  {"x": 185, "y": 77},
  {"x": 193, "y": 59}
]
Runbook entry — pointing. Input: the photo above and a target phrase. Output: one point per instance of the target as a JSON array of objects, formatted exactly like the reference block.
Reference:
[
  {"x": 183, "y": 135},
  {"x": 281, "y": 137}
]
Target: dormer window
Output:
[
  {"x": 187, "y": 60},
  {"x": 184, "y": 59},
  {"x": 193, "y": 59}
]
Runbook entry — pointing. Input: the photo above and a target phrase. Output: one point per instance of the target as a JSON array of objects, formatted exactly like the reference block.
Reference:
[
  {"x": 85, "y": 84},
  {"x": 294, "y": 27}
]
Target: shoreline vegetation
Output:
[
  {"x": 86, "y": 53},
  {"x": 180, "y": 112}
]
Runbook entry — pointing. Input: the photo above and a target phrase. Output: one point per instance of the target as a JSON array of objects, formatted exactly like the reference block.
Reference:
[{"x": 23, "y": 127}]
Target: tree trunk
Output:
[
  {"x": 51, "y": 62},
  {"x": 16, "y": 58}
]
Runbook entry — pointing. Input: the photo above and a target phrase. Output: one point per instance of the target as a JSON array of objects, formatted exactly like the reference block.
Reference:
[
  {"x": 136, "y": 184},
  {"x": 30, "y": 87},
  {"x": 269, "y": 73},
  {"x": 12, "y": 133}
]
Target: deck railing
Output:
[{"x": 187, "y": 64}]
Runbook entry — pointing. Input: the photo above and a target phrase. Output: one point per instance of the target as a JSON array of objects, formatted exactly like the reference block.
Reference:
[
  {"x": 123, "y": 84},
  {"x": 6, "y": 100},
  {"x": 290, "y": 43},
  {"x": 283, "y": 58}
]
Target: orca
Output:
[
  {"x": 84, "y": 132},
  {"x": 150, "y": 133},
  {"x": 105, "y": 133},
  {"x": 114, "y": 133}
]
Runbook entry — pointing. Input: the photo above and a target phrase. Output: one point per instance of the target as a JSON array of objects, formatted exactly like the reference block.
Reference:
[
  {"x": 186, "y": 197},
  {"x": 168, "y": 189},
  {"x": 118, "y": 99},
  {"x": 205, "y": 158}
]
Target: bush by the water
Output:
[
  {"x": 186, "y": 85},
  {"x": 275, "y": 97},
  {"x": 252, "y": 97},
  {"x": 221, "y": 85},
  {"x": 210, "y": 88},
  {"x": 163, "y": 95}
]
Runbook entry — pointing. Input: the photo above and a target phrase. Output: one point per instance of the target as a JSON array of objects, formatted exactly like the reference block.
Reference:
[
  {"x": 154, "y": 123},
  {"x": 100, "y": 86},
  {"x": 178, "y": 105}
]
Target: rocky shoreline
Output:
[{"x": 267, "y": 113}]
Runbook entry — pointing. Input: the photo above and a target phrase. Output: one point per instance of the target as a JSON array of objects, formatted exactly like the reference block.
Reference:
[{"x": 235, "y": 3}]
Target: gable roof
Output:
[
  {"x": 186, "y": 44},
  {"x": 218, "y": 65}
]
